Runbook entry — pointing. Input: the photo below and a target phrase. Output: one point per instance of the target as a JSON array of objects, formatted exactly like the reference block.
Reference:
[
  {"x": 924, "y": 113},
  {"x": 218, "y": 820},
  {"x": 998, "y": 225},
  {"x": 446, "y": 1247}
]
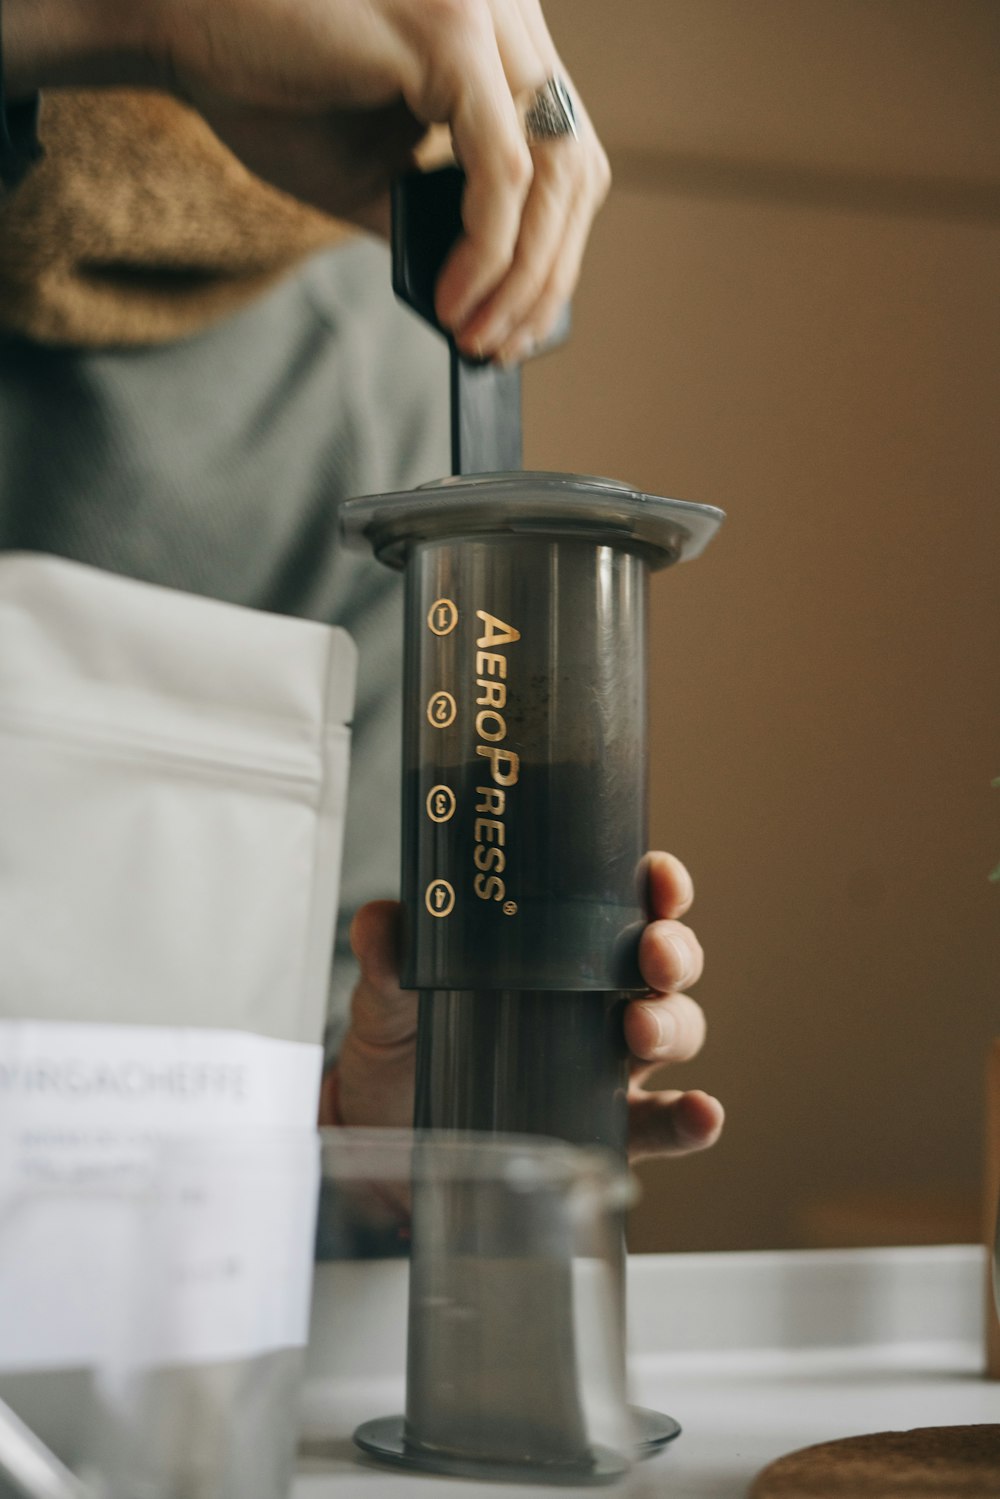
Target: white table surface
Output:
[{"x": 755, "y": 1355}]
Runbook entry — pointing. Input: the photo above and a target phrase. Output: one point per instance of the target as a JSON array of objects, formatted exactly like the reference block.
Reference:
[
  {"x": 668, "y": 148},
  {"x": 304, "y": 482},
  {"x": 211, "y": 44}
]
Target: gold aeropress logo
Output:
[{"x": 490, "y": 829}]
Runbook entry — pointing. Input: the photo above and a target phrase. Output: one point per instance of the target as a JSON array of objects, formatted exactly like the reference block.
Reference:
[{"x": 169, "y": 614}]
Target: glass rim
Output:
[{"x": 520, "y": 1162}]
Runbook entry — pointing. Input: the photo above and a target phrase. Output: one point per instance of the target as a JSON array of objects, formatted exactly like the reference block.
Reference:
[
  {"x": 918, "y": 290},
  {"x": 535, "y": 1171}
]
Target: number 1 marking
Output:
[{"x": 442, "y": 616}]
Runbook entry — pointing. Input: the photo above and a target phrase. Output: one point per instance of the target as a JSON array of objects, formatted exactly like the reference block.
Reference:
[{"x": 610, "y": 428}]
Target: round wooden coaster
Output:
[{"x": 931, "y": 1462}]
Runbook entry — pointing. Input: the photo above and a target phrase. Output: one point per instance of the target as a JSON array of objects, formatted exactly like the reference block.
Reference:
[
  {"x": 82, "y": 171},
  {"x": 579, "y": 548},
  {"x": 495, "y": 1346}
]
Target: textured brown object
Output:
[
  {"x": 931, "y": 1462},
  {"x": 991, "y": 1194},
  {"x": 139, "y": 225}
]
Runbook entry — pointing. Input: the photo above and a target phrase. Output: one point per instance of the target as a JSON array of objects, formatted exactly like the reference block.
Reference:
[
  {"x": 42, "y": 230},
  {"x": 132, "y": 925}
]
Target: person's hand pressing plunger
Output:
[
  {"x": 328, "y": 100},
  {"x": 373, "y": 1081}
]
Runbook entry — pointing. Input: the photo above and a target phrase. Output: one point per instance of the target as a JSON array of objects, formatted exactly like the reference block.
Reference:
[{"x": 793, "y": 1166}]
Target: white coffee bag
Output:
[{"x": 173, "y": 775}]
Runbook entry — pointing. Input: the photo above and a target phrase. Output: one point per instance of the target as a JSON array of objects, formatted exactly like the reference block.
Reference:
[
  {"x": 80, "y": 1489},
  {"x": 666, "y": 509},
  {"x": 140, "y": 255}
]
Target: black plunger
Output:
[{"x": 524, "y": 802}]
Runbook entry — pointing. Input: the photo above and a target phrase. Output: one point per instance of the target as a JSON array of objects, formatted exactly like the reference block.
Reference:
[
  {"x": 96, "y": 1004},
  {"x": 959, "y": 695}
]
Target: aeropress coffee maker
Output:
[{"x": 523, "y": 883}]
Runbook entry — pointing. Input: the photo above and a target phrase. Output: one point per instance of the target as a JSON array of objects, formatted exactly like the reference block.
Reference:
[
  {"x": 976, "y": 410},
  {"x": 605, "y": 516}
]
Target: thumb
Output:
[
  {"x": 382, "y": 1014},
  {"x": 375, "y": 1066}
]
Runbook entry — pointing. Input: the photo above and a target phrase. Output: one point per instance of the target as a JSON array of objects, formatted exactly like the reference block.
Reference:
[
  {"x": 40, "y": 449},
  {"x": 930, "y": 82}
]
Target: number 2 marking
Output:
[{"x": 441, "y": 710}]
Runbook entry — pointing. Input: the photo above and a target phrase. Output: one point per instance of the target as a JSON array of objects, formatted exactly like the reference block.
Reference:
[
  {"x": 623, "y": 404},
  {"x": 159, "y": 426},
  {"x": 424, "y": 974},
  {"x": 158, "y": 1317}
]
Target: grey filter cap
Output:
[{"x": 602, "y": 510}]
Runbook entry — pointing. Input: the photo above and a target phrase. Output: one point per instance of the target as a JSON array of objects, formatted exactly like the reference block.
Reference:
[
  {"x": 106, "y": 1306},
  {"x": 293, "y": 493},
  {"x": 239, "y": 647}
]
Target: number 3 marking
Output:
[{"x": 440, "y": 803}]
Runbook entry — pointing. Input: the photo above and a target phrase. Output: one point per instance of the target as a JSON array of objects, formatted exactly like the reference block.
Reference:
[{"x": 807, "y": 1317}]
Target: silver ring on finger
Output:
[{"x": 549, "y": 114}]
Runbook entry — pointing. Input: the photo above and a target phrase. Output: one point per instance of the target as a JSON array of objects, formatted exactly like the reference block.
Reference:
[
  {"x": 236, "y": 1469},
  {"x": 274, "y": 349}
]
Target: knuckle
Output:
[
  {"x": 499, "y": 248},
  {"x": 452, "y": 18},
  {"x": 528, "y": 279},
  {"x": 575, "y": 167},
  {"x": 515, "y": 166},
  {"x": 554, "y": 186},
  {"x": 461, "y": 35}
]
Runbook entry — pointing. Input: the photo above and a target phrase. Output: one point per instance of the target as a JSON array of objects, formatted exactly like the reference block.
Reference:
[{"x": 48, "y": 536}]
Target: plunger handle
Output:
[{"x": 485, "y": 397}]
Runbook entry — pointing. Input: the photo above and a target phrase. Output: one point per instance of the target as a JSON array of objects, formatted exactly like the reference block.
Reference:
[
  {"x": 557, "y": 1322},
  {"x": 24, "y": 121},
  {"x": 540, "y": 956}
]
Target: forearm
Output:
[{"x": 79, "y": 44}]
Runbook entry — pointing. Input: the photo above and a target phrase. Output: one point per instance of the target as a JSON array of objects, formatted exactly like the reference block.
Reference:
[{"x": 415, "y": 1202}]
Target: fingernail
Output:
[
  {"x": 517, "y": 350},
  {"x": 686, "y": 888},
  {"x": 682, "y": 958},
  {"x": 666, "y": 1027},
  {"x": 493, "y": 335},
  {"x": 472, "y": 348}
]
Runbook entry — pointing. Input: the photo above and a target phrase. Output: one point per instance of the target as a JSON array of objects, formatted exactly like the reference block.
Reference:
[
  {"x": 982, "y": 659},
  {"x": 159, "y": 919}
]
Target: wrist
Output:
[{"x": 78, "y": 44}]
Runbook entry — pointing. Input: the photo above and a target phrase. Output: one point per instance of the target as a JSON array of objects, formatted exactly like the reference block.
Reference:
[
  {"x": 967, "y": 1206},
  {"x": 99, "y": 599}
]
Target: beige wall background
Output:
[{"x": 790, "y": 309}]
